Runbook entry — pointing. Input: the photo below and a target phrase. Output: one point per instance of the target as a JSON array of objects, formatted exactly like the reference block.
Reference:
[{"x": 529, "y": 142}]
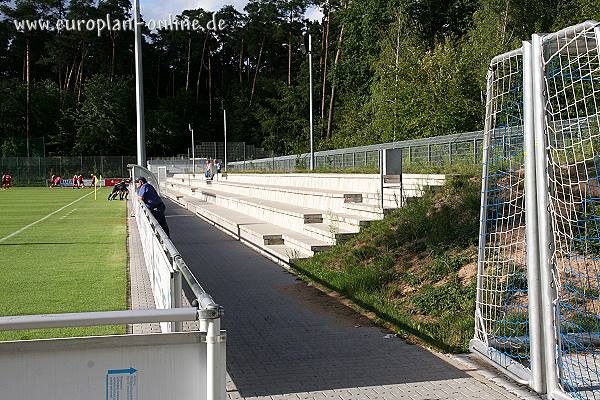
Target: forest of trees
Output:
[{"x": 384, "y": 70}]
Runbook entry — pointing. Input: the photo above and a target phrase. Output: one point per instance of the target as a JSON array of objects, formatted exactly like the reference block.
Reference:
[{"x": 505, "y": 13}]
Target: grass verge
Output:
[
  {"x": 73, "y": 261},
  {"x": 416, "y": 269}
]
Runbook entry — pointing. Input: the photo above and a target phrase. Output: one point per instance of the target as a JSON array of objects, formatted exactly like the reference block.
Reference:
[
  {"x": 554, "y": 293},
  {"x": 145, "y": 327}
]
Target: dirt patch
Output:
[{"x": 467, "y": 273}]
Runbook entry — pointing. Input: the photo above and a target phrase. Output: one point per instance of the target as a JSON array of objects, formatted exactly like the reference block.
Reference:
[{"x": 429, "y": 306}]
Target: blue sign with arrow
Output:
[{"x": 121, "y": 384}]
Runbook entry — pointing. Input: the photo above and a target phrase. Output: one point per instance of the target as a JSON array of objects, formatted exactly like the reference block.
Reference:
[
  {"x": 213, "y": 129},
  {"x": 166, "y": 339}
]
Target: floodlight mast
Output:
[
  {"x": 139, "y": 86},
  {"x": 193, "y": 150},
  {"x": 312, "y": 147}
]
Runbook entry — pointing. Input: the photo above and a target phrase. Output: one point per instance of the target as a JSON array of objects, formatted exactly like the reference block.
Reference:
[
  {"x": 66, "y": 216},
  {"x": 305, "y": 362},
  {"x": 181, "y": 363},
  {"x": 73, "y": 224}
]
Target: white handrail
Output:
[{"x": 47, "y": 321}]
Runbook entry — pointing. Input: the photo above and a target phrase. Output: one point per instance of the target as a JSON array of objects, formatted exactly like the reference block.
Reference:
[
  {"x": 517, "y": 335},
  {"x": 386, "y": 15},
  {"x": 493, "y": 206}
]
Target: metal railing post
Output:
[
  {"x": 176, "y": 294},
  {"x": 213, "y": 334},
  {"x": 381, "y": 178}
]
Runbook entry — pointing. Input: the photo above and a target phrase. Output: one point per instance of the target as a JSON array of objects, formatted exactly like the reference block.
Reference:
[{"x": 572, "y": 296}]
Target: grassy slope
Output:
[
  {"x": 67, "y": 263},
  {"x": 416, "y": 269}
]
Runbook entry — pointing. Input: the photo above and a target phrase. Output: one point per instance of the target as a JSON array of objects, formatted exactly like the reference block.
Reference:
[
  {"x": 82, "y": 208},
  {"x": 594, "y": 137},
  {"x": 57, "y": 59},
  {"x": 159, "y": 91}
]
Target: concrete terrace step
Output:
[
  {"x": 277, "y": 242},
  {"x": 347, "y": 222},
  {"x": 350, "y": 183},
  {"x": 329, "y": 233},
  {"x": 321, "y": 199},
  {"x": 325, "y": 199},
  {"x": 285, "y": 215},
  {"x": 366, "y": 210},
  {"x": 278, "y": 213}
]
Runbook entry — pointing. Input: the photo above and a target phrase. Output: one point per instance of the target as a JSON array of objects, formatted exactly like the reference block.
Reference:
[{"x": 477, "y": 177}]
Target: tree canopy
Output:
[{"x": 383, "y": 70}]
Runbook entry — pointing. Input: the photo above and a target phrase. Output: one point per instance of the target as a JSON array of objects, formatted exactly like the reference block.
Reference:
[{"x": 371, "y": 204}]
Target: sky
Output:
[{"x": 160, "y": 9}]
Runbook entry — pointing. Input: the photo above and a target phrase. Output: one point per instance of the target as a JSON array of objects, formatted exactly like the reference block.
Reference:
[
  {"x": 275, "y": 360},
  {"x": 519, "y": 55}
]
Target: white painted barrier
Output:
[
  {"x": 158, "y": 263},
  {"x": 135, "y": 367}
]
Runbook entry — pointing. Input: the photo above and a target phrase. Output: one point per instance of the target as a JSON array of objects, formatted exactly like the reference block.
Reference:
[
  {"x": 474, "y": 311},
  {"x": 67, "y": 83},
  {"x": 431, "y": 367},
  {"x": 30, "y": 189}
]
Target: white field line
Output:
[
  {"x": 43, "y": 219},
  {"x": 68, "y": 214}
]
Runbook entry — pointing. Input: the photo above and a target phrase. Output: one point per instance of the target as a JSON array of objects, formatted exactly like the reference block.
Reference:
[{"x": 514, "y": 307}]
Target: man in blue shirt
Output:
[{"x": 147, "y": 193}]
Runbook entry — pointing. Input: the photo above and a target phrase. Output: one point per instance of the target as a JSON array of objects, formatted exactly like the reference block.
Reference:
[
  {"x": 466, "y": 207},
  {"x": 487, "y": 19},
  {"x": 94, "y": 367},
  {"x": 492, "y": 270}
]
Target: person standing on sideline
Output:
[{"x": 147, "y": 193}]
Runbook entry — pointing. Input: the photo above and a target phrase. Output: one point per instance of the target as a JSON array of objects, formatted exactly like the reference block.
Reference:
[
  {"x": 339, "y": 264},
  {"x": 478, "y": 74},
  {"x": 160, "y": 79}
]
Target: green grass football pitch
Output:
[{"x": 61, "y": 251}]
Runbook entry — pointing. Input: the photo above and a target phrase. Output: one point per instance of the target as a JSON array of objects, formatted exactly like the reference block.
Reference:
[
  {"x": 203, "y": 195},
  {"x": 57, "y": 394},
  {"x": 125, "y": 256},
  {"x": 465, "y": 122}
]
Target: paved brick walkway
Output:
[
  {"x": 140, "y": 291},
  {"x": 287, "y": 340}
]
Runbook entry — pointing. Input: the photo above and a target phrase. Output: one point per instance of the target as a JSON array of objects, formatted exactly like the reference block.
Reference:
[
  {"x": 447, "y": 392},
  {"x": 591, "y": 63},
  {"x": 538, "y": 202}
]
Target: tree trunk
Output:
[
  {"x": 397, "y": 79},
  {"x": 28, "y": 81},
  {"x": 290, "y": 51},
  {"x": 113, "y": 56},
  {"x": 200, "y": 72},
  {"x": 338, "y": 54},
  {"x": 60, "y": 96},
  {"x": 158, "y": 77},
  {"x": 173, "y": 82},
  {"x": 241, "y": 64},
  {"x": 189, "y": 57},
  {"x": 209, "y": 85},
  {"x": 323, "y": 22},
  {"x": 79, "y": 81},
  {"x": 324, "y": 73},
  {"x": 70, "y": 74},
  {"x": 262, "y": 45}
]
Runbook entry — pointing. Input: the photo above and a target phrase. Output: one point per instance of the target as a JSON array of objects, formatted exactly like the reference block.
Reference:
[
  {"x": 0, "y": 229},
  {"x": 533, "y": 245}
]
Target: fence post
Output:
[
  {"x": 475, "y": 151},
  {"x": 450, "y": 153},
  {"x": 213, "y": 332},
  {"x": 429, "y": 154},
  {"x": 381, "y": 178},
  {"x": 410, "y": 154},
  {"x": 176, "y": 293}
]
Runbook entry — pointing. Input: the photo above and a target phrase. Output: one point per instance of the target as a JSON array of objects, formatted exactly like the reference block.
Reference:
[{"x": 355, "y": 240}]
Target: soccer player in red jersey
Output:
[
  {"x": 80, "y": 181},
  {"x": 75, "y": 180},
  {"x": 6, "y": 179},
  {"x": 93, "y": 181}
]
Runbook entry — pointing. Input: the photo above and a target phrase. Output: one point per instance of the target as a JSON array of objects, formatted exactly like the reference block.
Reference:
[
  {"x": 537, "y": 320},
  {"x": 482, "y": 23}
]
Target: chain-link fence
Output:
[
  {"x": 236, "y": 151},
  {"x": 28, "y": 171},
  {"x": 427, "y": 155}
]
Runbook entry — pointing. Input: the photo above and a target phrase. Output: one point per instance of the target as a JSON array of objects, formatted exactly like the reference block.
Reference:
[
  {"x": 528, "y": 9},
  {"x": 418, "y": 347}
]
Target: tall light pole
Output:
[
  {"x": 139, "y": 86},
  {"x": 310, "y": 77},
  {"x": 193, "y": 150},
  {"x": 310, "y": 85},
  {"x": 225, "y": 132}
]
